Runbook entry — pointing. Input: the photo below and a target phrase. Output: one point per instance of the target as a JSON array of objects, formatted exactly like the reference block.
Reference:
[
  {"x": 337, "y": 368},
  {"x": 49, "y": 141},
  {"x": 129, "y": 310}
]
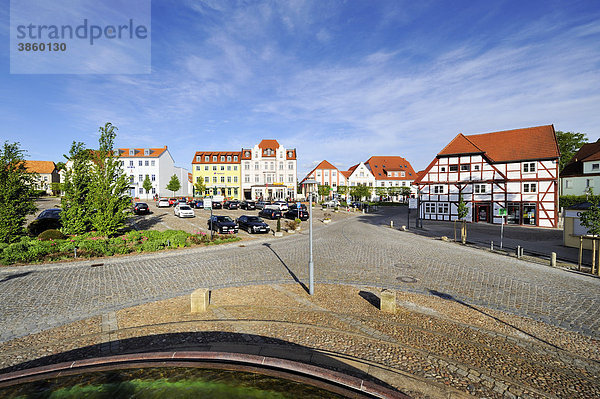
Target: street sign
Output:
[
  {"x": 502, "y": 212},
  {"x": 412, "y": 203},
  {"x": 207, "y": 203},
  {"x": 298, "y": 205}
]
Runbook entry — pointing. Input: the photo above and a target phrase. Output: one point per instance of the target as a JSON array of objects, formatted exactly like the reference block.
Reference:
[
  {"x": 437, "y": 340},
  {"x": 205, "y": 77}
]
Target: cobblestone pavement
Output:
[
  {"x": 356, "y": 250},
  {"x": 429, "y": 347}
]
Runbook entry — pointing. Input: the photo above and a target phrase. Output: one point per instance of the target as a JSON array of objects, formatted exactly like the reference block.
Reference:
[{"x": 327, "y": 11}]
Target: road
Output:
[{"x": 357, "y": 250}]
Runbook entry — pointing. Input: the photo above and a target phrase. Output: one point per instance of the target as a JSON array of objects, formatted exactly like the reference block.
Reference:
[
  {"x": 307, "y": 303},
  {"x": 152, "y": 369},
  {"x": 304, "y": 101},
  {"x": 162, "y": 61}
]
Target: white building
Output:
[
  {"x": 581, "y": 175},
  {"x": 326, "y": 175},
  {"x": 268, "y": 171},
  {"x": 159, "y": 166}
]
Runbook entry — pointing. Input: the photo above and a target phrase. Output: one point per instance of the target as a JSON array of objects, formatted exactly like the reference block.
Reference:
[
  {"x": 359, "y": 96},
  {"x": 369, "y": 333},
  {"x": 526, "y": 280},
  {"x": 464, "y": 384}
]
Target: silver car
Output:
[{"x": 183, "y": 211}]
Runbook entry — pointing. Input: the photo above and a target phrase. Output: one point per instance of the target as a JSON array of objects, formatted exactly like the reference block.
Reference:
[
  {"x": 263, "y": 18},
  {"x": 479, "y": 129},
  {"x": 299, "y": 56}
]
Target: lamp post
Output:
[{"x": 310, "y": 186}]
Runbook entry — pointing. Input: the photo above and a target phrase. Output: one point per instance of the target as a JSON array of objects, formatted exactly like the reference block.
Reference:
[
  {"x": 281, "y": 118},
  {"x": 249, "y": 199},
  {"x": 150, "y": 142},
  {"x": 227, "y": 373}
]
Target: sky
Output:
[{"x": 337, "y": 80}]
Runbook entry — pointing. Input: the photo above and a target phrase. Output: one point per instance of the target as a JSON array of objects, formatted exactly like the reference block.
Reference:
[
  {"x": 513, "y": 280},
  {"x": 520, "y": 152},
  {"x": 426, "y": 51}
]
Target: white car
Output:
[
  {"x": 332, "y": 202},
  {"x": 283, "y": 206},
  {"x": 163, "y": 203},
  {"x": 183, "y": 211}
]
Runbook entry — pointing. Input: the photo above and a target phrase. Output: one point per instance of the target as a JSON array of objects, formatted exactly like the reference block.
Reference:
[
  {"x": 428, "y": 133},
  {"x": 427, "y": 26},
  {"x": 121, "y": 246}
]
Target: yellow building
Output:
[{"x": 220, "y": 171}]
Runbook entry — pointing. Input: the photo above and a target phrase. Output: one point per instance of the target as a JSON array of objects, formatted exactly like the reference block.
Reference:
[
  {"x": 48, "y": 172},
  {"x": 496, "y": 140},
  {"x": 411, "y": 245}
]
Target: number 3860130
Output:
[{"x": 42, "y": 46}]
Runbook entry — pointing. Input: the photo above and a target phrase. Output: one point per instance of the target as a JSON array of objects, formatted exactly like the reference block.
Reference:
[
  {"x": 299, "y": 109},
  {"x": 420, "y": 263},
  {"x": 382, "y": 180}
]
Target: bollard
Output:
[
  {"x": 388, "y": 301},
  {"x": 392, "y": 224},
  {"x": 518, "y": 251},
  {"x": 199, "y": 300},
  {"x": 491, "y": 245},
  {"x": 553, "y": 259}
]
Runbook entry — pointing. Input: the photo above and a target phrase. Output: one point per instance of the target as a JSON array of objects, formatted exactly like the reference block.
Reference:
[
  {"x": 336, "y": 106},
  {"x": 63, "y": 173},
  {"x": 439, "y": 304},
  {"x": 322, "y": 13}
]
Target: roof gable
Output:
[
  {"x": 460, "y": 145},
  {"x": 380, "y": 167},
  {"x": 41, "y": 167}
]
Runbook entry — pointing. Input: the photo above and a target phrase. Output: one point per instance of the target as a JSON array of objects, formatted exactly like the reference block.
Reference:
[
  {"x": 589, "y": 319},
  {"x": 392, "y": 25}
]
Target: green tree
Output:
[
  {"x": 405, "y": 192},
  {"x": 174, "y": 184},
  {"x": 75, "y": 202},
  {"x": 342, "y": 190},
  {"x": 323, "y": 191},
  {"x": 590, "y": 219},
  {"x": 147, "y": 185},
  {"x": 360, "y": 192},
  {"x": 382, "y": 191},
  {"x": 569, "y": 143},
  {"x": 109, "y": 190},
  {"x": 16, "y": 192},
  {"x": 200, "y": 187},
  {"x": 60, "y": 165},
  {"x": 462, "y": 211}
]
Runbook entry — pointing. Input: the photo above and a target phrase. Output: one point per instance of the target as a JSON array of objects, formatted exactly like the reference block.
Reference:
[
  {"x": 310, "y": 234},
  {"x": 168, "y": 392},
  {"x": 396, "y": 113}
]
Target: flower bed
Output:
[{"x": 34, "y": 250}]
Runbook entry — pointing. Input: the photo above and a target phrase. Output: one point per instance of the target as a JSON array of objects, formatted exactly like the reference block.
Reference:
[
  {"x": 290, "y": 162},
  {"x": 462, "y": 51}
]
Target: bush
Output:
[
  {"x": 291, "y": 224},
  {"x": 567, "y": 201},
  {"x": 51, "y": 235},
  {"x": 39, "y": 193}
]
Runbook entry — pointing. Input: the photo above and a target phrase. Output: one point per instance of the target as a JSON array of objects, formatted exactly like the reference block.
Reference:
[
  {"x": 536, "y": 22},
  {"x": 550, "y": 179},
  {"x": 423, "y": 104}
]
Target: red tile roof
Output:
[
  {"x": 381, "y": 166},
  {"x": 509, "y": 145},
  {"x": 272, "y": 144},
  {"x": 588, "y": 152},
  {"x": 218, "y": 154},
  {"x": 346, "y": 173},
  {"x": 322, "y": 165},
  {"x": 41, "y": 167},
  {"x": 293, "y": 153},
  {"x": 139, "y": 152},
  {"x": 246, "y": 153}
]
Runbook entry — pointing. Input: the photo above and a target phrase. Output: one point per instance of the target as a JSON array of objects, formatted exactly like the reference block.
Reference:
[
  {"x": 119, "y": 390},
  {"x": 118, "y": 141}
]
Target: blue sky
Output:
[{"x": 338, "y": 80}]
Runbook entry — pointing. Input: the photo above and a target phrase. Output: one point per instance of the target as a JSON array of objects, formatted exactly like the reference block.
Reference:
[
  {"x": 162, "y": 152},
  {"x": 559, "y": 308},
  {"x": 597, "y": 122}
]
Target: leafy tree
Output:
[
  {"x": 405, "y": 192},
  {"x": 61, "y": 165},
  {"x": 463, "y": 211},
  {"x": 174, "y": 184},
  {"x": 56, "y": 188},
  {"x": 590, "y": 219},
  {"x": 323, "y": 191},
  {"x": 75, "y": 203},
  {"x": 16, "y": 192},
  {"x": 109, "y": 191},
  {"x": 360, "y": 191},
  {"x": 200, "y": 186},
  {"x": 147, "y": 185},
  {"x": 382, "y": 191},
  {"x": 569, "y": 143},
  {"x": 342, "y": 190}
]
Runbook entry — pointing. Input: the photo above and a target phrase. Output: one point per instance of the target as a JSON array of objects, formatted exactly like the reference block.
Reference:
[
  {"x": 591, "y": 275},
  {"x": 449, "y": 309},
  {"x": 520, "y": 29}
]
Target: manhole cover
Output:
[
  {"x": 403, "y": 266},
  {"x": 407, "y": 279}
]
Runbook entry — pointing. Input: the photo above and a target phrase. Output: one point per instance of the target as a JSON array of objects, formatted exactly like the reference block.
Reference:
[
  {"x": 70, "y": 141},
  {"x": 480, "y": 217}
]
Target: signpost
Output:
[
  {"x": 502, "y": 213},
  {"x": 207, "y": 204},
  {"x": 412, "y": 204}
]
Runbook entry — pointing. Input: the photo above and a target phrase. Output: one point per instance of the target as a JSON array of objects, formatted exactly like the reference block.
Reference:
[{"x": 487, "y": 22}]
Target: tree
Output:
[
  {"x": 174, "y": 184},
  {"x": 109, "y": 190},
  {"x": 360, "y": 191},
  {"x": 382, "y": 191},
  {"x": 147, "y": 185},
  {"x": 342, "y": 190},
  {"x": 405, "y": 192},
  {"x": 569, "y": 143},
  {"x": 200, "y": 186},
  {"x": 61, "y": 165},
  {"x": 462, "y": 211},
  {"x": 323, "y": 191},
  {"x": 16, "y": 192},
  {"x": 75, "y": 203}
]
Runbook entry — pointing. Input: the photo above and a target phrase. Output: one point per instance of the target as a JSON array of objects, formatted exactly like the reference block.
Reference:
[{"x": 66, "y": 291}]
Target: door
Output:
[{"x": 482, "y": 213}]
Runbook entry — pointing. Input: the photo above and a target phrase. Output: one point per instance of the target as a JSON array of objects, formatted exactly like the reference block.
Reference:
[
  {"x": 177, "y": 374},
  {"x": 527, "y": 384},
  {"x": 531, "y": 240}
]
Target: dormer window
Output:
[
  {"x": 228, "y": 158},
  {"x": 222, "y": 158},
  {"x": 198, "y": 158},
  {"x": 290, "y": 154},
  {"x": 206, "y": 158},
  {"x": 214, "y": 158},
  {"x": 131, "y": 152},
  {"x": 247, "y": 154},
  {"x": 235, "y": 158},
  {"x": 146, "y": 151}
]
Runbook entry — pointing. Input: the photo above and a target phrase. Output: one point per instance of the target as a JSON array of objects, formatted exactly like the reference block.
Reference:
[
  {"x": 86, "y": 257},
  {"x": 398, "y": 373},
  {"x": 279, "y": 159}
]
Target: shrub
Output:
[
  {"x": 567, "y": 201},
  {"x": 327, "y": 215},
  {"x": 298, "y": 221},
  {"x": 51, "y": 235},
  {"x": 15, "y": 252},
  {"x": 291, "y": 224}
]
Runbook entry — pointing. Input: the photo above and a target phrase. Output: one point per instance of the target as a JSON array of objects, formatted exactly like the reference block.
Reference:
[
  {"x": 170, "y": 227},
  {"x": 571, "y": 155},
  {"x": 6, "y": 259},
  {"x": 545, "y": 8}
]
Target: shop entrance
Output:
[
  {"x": 482, "y": 212},
  {"x": 529, "y": 214}
]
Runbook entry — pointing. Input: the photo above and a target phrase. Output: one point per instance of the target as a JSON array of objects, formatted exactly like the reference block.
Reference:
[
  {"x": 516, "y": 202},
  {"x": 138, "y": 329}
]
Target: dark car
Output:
[
  {"x": 270, "y": 213},
  {"x": 216, "y": 205},
  {"x": 252, "y": 224},
  {"x": 140, "y": 208},
  {"x": 261, "y": 204},
  {"x": 48, "y": 219},
  {"x": 199, "y": 204},
  {"x": 248, "y": 205},
  {"x": 222, "y": 224},
  {"x": 296, "y": 213},
  {"x": 231, "y": 205}
]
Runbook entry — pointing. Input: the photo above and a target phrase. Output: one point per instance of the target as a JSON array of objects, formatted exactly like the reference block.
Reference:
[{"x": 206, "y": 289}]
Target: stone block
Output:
[
  {"x": 388, "y": 301},
  {"x": 199, "y": 300}
]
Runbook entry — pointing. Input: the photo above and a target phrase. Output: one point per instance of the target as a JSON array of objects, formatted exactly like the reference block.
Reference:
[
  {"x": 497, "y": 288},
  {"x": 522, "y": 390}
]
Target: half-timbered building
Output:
[{"x": 515, "y": 170}]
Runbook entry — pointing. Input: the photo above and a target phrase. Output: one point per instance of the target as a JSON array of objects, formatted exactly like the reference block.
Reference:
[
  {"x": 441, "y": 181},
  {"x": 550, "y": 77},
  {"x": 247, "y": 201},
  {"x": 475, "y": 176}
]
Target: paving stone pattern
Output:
[{"x": 358, "y": 250}]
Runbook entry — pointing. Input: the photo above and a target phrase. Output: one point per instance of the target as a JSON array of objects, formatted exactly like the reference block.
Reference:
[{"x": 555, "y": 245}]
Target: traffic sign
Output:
[
  {"x": 502, "y": 212},
  {"x": 412, "y": 203}
]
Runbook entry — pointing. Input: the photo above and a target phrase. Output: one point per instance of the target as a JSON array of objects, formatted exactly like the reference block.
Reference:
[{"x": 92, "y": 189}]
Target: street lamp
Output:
[{"x": 310, "y": 186}]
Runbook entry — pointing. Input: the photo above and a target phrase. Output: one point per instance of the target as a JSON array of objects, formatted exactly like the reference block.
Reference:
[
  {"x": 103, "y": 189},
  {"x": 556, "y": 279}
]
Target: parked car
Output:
[
  {"x": 283, "y": 205},
  {"x": 262, "y": 204},
  {"x": 46, "y": 220},
  {"x": 222, "y": 224},
  {"x": 183, "y": 211},
  {"x": 295, "y": 205},
  {"x": 270, "y": 213},
  {"x": 231, "y": 204},
  {"x": 172, "y": 201},
  {"x": 163, "y": 203},
  {"x": 358, "y": 204},
  {"x": 252, "y": 224},
  {"x": 140, "y": 208},
  {"x": 296, "y": 213},
  {"x": 248, "y": 205},
  {"x": 331, "y": 203},
  {"x": 217, "y": 204},
  {"x": 198, "y": 204}
]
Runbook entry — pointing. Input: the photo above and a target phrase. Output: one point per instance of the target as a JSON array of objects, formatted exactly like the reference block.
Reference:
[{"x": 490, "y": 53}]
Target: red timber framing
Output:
[{"x": 526, "y": 187}]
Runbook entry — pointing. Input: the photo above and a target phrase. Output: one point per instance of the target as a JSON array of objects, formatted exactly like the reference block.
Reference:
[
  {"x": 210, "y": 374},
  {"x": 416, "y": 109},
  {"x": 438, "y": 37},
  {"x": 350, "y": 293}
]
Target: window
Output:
[
  {"x": 453, "y": 168},
  {"x": 214, "y": 158},
  {"x": 214, "y": 179},
  {"x": 153, "y": 178},
  {"x": 222, "y": 179},
  {"x": 370, "y": 184},
  {"x": 206, "y": 167},
  {"x": 465, "y": 168},
  {"x": 443, "y": 207},
  {"x": 475, "y": 167},
  {"x": 318, "y": 174},
  {"x": 442, "y": 169},
  {"x": 438, "y": 189},
  {"x": 247, "y": 166},
  {"x": 206, "y": 158},
  {"x": 529, "y": 187},
  {"x": 197, "y": 167},
  {"x": 235, "y": 158},
  {"x": 479, "y": 188},
  {"x": 228, "y": 179},
  {"x": 255, "y": 165},
  {"x": 222, "y": 167},
  {"x": 235, "y": 179},
  {"x": 430, "y": 207},
  {"x": 362, "y": 174},
  {"x": 198, "y": 158},
  {"x": 229, "y": 191},
  {"x": 131, "y": 163},
  {"x": 140, "y": 163},
  {"x": 247, "y": 179},
  {"x": 529, "y": 167},
  {"x": 228, "y": 167},
  {"x": 141, "y": 178},
  {"x": 222, "y": 158},
  {"x": 333, "y": 174},
  {"x": 214, "y": 167},
  {"x": 153, "y": 190},
  {"x": 131, "y": 177},
  {"x": 290, "y": 166},
  {"x": 141, "y": 190},
  {"x": 207, "y": 179},
  {"x": 146, "y": 163},
  {"x": 595, "y": 166},
  {"x": 256, "y": 179},
  {"x": 403, "y": 183},
  {"x": 272, "y": 165},
  {"x": 131, "y": 152},
  {"x": 198, "y": 179},
  {"x": 234, "y": 167},
  {"x": 228, "y": 158},
  {"x": 402, "y": 174},
  {"x": 280, "y": 165}
]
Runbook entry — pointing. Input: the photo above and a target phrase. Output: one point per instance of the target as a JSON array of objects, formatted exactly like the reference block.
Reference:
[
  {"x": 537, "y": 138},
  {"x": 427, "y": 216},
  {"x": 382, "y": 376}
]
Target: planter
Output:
[
  {"x": 290, "y": 231},
  {"x": 298, "y": 228},
  {"x": 326, "y": 221},
  {"x": 278, "y": 234}
]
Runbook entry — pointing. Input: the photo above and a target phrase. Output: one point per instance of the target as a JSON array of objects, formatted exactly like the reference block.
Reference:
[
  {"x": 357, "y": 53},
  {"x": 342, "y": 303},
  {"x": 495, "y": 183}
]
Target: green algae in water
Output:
[{"x": 177, "y": 383}]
